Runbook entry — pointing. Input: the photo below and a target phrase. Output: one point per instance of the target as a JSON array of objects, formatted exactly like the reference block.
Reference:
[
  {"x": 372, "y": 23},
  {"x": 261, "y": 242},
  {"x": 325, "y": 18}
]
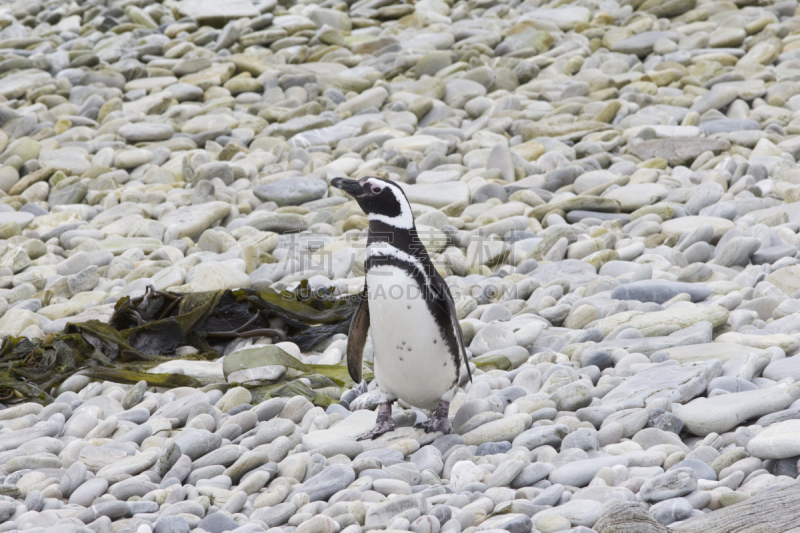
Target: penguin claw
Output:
[
  {"x": 383, "y": 424},
  {"x": 438, "y": 421},
  {"x": 380, "y": 428},
  {"x": 436, "y": 424}
]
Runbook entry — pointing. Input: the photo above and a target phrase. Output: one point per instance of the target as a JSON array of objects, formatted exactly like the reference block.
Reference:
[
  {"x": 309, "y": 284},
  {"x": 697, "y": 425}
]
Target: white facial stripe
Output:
[
  {"x": 405, "y": 220},
  {"x": 376, "y": 183},
  {"x": 387, "y": 250}
]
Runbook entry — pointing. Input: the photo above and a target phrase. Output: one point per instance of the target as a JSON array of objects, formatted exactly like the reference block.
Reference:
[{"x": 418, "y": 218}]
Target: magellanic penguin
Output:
[{"x": 406, "y": 304}]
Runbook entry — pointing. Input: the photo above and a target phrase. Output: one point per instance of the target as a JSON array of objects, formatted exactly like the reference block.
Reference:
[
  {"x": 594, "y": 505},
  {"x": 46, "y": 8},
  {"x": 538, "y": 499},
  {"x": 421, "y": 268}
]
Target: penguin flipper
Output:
[
  {"x": 357, "y": 338},
  {"x": 445, "y": 298},
  {"x": 451, "y": 307}
]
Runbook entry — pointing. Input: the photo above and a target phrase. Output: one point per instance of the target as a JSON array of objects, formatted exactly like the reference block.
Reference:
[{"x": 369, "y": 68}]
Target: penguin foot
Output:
[
  {"x": 383, "y": 424},
  {"x": 439, "y": 420}
]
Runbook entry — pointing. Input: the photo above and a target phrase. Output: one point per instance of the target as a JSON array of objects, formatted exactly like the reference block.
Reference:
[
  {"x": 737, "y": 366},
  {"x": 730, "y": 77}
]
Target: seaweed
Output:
[{"x": 147, "y": 330}]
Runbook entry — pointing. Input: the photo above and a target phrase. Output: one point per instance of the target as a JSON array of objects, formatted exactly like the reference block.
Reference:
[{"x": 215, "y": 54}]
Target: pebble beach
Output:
[{"x": 609, "y": 188}]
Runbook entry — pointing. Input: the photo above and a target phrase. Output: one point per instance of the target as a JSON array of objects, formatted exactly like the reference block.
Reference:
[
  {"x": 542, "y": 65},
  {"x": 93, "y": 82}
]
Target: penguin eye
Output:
[{"x": 376, "y": 189}]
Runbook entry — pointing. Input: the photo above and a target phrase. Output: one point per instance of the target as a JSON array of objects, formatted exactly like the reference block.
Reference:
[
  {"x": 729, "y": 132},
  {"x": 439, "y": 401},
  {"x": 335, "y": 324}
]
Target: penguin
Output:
[{"x": 407, "y": 306}]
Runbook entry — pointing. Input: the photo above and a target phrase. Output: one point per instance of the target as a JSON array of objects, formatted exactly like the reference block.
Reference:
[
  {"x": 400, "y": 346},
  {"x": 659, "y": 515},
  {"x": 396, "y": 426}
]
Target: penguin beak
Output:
[{"x": 351, "y": 187}]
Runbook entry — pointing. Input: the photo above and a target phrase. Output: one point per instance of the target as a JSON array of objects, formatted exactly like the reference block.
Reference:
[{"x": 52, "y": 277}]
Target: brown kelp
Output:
[{"x": 146, "y": 331}]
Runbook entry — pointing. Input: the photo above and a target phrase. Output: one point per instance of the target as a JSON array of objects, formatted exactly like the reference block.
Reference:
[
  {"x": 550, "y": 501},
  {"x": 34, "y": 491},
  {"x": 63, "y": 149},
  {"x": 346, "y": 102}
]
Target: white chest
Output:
[{"x": 412, "y": 358}]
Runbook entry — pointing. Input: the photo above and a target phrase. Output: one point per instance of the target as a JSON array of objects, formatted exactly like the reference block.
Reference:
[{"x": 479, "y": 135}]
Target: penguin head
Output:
[{"x": 381, "y": 200}]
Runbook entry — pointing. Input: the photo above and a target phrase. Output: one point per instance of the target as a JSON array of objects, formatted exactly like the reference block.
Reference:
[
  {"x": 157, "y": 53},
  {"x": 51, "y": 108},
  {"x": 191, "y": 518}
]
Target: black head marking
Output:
[{"x": 380, "y": 199}]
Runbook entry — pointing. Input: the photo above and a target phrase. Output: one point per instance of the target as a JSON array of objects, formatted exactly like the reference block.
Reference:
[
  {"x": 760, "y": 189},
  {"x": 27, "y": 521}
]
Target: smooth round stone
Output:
[
  {"x": 80, "y": 424},
  {"x": 133, "y": 158},
  {"x": 197, "y": 442},
  {"x": 22, "y": 219},
  {"x": 217, "y": 523},
  {"x": 737, "y": 251},
  {"x": 672, "y": 510},
  {"x": 660, "y": 419},
  {"x": 633, "y": 197},
  {"x": 488, "y": 191},
  {"x": 319, "y": 524},
  {"x": 387, "y": 456},
  {"x": 578, "y": 512},
  {"x": 292, "y": 191},
  {"x": 171, "y": 524},
  {"x": 72, "y": 479},
  {"x": 553, "y": 523},
  {"x": 493, "y": 448},
  {"x": 600, "y": 359},
  {"x": 643, "y": 43},
  {"x": 701, "y": 469},
  {"x": 659, "y": 291},
  {"x": 428, "y": 458},
  {"x": 506, "y": 473},
  {"x": 532, "y": 474},
  {"x": 465, "y": 473},
  {"x": 34, "y": 501},
  {"x": 728, "y": 125},
  {"x": 679, "y": 226},
  {"x": 146, "y": 132},
  {"x": 590, "y": 180},
  {"x": 234, "y": 397},
  {"x": 771, "y": 254},
  {"x": 776, "y": 441},
  {"x": 496, "y": 312},
  {"x": 731, "y": 384},
  {"x": 582, "y": 438},
  {"x": 88, "y": 492},
  {"x": 32, "y": 462},
  {"x": 671, "y": 484},
  {"x": 391, "y": 486},
  {"x": 493, "y": 336}
]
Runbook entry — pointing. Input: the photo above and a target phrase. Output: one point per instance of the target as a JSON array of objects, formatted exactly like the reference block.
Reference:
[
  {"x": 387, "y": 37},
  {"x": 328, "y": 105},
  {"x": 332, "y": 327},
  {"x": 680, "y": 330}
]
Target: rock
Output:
[
  {"x": 380, "y": 514},
  {"x": 169, "y": 524},
  {"x": 541, "y": 436},
  {"x": 786, "y": 279},
  {"x": 682, "y": 225},
  {"x": 88, "y": 492},
  {"x": 217, "y": 523},
  {"x": 724, "y": 351},
  {"x": 683, "y": 318},
  {"x": 214, "y": 15},
  {"x": 292, "y": 191},
  {"x": 633, "y": 197},
  {"x": 721, "y": 413},
  {"x": 672, "y": 484},
  {"x": 642, "y": 44},
  {"x": 659, "y": 291},
  {"x": 677, "y": 151},
  {"x": 776, "y": 441},
  {"x": 628, "y": 517},
  {"x": 465, "y": 473},
  {"x": 579, "y": 513},
  {"x": 504, "y": 429},
  {"x": 580, "y": 473},
  {"x": 190, "y": 221},
  {"x": 672, "y": 510},
  {"x": 509, "y": 522},
  {"x": 675, "y": 383},
  {"x": 197, "y": 442},
  {"x": 577, "y": 273},
  {"x": 737, "y": 251},
  {"x": 352, "y": 427},
  {"x": 213, "y": 276},
  {"x": 701, "y": 469},
  {"x": 146, "y": 132},
  {"x": 439, "y": 195}
]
